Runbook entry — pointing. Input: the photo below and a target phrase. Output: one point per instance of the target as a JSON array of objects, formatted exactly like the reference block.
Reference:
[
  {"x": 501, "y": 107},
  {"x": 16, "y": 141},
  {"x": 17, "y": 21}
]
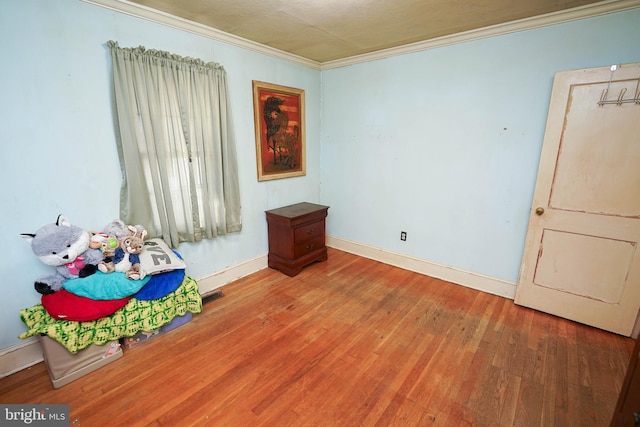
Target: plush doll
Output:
[
  {"x": 65, "y": 247},
  {"x": 117, "y": 229},
  {"x": 96, "y": 239},
  {"x": 126, "y": 258},
  {"x": 102, "y": 241}
]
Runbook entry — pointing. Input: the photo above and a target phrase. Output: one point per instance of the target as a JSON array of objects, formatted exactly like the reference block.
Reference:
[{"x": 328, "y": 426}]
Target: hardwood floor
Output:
[{"x": 351, "y": 342}]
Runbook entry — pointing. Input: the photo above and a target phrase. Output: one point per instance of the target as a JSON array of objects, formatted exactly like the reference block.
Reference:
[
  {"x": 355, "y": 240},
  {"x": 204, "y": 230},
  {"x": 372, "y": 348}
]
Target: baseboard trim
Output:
[
  {"x": 455, "y": 275},
  {"x": 20, "y": 356},
  {"x": 28, "y": 353},
  {"x": 220, "y": 278}
]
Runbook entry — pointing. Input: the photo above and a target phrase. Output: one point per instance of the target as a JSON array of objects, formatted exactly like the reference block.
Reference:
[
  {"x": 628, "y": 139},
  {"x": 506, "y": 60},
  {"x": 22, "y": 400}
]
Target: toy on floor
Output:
[
  {"x": 126, "y": 258},
  {"x": 65, "y": 247},
  {"x": 101, "y": 240}
]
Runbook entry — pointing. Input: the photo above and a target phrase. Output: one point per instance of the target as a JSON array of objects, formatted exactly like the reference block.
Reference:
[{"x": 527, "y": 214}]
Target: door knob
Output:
[{"x": 539, "y": 211}]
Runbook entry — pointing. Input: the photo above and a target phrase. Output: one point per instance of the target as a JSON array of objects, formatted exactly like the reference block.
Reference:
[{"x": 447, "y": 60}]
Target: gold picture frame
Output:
[{"x": 280, "y": 131}]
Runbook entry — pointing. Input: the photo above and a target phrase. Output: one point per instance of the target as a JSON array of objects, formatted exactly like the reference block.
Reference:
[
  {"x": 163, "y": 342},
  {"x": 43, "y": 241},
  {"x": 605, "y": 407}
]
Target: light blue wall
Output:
[
  {"x": 58, "y": 146},
  {"x": 444, "y": 144}
]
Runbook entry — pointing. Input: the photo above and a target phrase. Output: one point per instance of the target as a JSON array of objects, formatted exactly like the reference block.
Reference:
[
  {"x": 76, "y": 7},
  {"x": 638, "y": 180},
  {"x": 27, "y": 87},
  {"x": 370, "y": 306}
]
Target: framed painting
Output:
[{"x": 280, "y": 134}]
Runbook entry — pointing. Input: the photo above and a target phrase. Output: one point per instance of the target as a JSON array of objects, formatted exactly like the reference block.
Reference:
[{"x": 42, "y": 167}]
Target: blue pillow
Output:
[{"x": 160, "y": 285}]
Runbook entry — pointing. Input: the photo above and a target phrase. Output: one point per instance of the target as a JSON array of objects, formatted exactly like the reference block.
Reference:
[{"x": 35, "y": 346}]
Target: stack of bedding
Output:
[{"x": 105, "y": 307}]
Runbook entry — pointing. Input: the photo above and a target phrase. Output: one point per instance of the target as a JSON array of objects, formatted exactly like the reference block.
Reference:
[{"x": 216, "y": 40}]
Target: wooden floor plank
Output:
[{"x": 351, "y": 342}]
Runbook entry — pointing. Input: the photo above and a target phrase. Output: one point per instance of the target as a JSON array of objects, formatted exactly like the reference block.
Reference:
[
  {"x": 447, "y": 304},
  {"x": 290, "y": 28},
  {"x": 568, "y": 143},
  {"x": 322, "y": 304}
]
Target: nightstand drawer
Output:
[
  {"x": 309, "y": 246},
  {"x": 307, "y": 232}
]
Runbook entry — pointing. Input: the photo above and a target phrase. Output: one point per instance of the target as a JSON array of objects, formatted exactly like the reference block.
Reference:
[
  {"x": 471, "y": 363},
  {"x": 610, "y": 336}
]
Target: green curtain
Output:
[{"x": 176, "y": 145}]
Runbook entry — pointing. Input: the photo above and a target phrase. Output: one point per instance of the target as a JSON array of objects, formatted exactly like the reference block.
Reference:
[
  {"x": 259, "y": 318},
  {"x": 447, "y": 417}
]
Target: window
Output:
[{"x": 176, "y": 145}]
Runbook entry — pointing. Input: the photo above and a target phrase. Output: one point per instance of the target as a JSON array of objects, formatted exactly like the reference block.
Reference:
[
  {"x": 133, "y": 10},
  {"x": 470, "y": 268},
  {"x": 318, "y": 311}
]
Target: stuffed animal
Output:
[
  {"x": 65, "y": 247},
  {"x": 101, "y": 240},
  {"x": 96, "y": 239},
  {"x": 117, "y": 229},
  {"x": 126, "y": 259}
]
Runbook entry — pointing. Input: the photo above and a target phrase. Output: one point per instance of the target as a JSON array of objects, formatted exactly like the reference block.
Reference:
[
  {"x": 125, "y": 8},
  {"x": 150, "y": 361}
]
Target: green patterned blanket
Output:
[{"x": 136, "y": 316}]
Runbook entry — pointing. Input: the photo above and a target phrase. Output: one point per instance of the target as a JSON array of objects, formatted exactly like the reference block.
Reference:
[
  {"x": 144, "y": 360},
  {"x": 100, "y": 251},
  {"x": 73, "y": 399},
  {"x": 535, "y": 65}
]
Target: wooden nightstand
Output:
[{"x": 296, "y": 236}]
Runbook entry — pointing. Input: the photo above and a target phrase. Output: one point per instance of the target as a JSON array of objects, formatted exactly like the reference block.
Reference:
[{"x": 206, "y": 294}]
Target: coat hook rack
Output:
[{"x": 621, "y": 99}]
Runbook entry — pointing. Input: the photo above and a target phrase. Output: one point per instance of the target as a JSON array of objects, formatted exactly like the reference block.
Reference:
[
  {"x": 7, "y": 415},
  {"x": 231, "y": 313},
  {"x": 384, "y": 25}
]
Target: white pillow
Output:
[{"x": 157, "y": 257}]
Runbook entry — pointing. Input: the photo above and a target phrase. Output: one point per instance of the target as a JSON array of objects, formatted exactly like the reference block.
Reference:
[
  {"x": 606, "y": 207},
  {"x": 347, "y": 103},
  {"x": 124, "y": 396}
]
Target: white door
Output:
[{"x": 581, "y": 259}]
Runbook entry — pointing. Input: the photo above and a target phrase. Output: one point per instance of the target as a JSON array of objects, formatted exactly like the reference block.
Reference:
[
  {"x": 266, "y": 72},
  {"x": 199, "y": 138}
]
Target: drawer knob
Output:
[
  {"x": 309, "y": 231},
  {"x": 309, "y": 246}
]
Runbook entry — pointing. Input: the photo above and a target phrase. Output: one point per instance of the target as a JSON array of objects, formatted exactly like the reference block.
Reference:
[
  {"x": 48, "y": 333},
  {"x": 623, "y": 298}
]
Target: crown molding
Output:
[
  {"x": 159, "y": 17},
  {"x": 574, "y": 14},
  {"x": 582, "y": 12}
]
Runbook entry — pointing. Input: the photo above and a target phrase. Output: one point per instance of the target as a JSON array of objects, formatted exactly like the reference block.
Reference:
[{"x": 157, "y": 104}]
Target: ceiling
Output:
[{"x": 329, "y": 30}]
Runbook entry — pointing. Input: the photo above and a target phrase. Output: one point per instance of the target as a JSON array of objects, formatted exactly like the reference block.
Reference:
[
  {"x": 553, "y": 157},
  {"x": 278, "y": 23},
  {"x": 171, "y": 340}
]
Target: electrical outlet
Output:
[{"x": 403, "y": 236}]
